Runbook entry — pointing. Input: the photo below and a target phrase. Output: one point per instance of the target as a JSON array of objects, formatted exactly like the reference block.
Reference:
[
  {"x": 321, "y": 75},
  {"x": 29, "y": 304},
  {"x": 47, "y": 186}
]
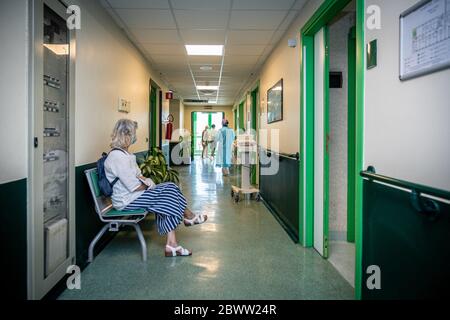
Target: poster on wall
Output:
[
  {"x": 275, "y": 103},
  {"x": 425, "y": 38}
]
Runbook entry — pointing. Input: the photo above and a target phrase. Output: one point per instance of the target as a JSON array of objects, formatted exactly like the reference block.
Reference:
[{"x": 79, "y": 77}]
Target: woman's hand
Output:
[
  {"x": 142, "y": 187},
  {"x": 147, "y": 182}
]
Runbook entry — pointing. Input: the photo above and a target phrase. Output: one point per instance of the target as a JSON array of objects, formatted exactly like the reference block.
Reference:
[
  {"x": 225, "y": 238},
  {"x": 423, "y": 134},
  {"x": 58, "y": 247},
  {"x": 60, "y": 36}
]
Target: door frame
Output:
[
  {"x": 241, "y": 116},
  {"x": 326, "y": 138},
  {"x": 351, "y": 135},
  {"x": 254, "y": 93},
  {"x": 153, "y": 114},
  {"x": 326, "y": 12}
]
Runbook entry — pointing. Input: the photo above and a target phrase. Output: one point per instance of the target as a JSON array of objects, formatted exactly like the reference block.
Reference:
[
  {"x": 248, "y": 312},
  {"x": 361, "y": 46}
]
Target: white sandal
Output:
[
  {"x": 198, "y": 219},
  {"x": 177, "y": 252}
]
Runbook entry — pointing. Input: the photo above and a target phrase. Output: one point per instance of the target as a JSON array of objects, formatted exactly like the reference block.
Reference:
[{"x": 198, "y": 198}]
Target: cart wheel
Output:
[
  {"x": 236, "y": 197},
  {"x": 232, "y": 193},
  {"x": 258, "y": 198}
]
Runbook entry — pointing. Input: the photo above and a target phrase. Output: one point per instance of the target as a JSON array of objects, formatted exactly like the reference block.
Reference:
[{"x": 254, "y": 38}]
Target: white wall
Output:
[
  {"x": 108, "y": 66},
  {"x": 13, "y": 90},
  {"x": 407, "y": 129},
  {"x": 284, "y": 62}
]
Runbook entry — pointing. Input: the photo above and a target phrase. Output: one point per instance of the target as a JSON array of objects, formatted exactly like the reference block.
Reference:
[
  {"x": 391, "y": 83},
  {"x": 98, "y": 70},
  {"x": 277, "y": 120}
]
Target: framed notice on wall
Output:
[
  {"x": 275, "y": 103},
  {"x": 425, "y": 38}
]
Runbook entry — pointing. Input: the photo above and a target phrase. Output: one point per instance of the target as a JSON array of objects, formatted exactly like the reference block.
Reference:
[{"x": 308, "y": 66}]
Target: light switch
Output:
[{"x": 372, "y": 54}]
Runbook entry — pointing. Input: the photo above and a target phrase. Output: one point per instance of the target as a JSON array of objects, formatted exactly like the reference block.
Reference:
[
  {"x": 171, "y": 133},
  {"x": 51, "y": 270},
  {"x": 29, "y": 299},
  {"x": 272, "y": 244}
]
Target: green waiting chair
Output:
[{"x": 114, "y": 219}]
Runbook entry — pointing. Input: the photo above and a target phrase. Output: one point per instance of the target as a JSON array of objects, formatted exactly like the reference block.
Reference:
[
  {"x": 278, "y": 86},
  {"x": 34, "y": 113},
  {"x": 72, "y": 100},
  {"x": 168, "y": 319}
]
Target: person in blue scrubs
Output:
[{"x": 225, "y": 138}]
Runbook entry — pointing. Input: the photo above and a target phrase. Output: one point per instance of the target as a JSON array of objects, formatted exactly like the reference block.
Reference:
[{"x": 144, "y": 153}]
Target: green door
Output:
[
  {"x": 352, "y": 171},
  {"x": 321, "y": 141},
  {"x": 253, "y": 124},
  {"x": 241, "y": 116}
]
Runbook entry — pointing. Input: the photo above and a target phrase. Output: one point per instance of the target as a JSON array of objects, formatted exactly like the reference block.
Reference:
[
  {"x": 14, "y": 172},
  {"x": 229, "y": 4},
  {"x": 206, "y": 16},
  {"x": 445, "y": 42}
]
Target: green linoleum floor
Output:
[{"x": 240, "y": 253}]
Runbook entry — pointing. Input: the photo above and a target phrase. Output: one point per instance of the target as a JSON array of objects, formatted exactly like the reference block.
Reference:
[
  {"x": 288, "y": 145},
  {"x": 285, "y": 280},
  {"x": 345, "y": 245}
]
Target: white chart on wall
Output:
[{"x": 425, "y": 38}]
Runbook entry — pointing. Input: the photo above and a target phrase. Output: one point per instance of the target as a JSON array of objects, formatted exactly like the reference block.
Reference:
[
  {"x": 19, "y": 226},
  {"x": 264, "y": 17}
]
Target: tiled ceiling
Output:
[{"x": 249, "y": 30}]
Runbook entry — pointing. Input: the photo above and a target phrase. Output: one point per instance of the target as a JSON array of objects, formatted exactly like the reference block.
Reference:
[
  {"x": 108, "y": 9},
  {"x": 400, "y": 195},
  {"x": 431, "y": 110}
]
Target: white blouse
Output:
[{"x": 123, "y": 165}]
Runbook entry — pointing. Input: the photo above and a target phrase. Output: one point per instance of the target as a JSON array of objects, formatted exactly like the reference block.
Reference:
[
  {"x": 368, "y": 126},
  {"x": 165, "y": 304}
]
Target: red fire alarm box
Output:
[{"x": 169, "y": 95}]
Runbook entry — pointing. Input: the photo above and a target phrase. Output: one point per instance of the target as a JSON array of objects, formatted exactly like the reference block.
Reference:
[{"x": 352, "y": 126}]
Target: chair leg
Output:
[
  {"x": 94, "y": 242},
  {"x": 141, "y": 240}
]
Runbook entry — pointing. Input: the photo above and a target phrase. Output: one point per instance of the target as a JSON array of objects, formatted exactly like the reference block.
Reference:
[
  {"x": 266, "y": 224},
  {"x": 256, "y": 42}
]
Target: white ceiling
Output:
[{"x": 249, "y": 30}]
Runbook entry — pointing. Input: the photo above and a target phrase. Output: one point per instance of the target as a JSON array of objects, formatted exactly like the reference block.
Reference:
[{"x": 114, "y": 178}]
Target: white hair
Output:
[{"x": 123, "y": 134}]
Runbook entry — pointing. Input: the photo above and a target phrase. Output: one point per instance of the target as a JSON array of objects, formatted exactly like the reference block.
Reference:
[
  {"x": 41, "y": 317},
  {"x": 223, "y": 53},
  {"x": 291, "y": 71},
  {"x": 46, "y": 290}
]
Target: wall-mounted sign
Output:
[
  {"x": 424, "y": 38},
  {"x": 124, "y": 105}
]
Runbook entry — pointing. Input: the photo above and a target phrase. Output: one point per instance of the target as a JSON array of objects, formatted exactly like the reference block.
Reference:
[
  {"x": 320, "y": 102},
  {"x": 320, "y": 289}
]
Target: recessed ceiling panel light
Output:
[
  {"x": 212, "y": 101},
  {"x": 206, "y": 68},
  {"x": 204, "y": 50},
  {"x": 207, "y": 87}
]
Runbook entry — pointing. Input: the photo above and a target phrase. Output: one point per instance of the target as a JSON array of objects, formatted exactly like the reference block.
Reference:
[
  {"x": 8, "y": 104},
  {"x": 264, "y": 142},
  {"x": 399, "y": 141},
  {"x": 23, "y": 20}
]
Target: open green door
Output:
[
  {"x": 241, "y": 125},
  {"x": 321, "y": 141}
]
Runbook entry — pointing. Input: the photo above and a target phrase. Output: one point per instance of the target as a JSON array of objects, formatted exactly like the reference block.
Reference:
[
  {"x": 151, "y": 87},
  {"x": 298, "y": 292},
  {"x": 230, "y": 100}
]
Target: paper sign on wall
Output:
[{"x": 425, "y": 38}]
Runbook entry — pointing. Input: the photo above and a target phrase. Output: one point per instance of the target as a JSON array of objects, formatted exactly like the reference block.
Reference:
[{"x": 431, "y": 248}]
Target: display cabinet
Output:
[{"x": 51, "y": 215}]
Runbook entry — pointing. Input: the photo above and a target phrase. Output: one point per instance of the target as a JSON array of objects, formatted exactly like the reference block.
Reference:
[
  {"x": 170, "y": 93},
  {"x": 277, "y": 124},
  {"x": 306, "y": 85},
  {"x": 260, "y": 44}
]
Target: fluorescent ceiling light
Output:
[
  {"x": 59, "y": 49},
  {"x": 208, "y": 88},
  {"x": 212, "y": 101},
  {"x": 204, "y": 50}
]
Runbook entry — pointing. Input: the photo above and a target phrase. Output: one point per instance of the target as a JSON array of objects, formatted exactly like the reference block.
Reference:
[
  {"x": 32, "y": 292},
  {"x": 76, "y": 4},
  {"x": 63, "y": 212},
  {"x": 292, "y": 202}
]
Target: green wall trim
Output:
[
  {"x": 360, "y": 85},
  {"x": 13, "y": 237}
]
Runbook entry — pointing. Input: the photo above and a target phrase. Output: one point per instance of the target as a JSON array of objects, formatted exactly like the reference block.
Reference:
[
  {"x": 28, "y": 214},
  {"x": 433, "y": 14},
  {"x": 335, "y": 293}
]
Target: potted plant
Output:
[{"x": 154, "y": 166}]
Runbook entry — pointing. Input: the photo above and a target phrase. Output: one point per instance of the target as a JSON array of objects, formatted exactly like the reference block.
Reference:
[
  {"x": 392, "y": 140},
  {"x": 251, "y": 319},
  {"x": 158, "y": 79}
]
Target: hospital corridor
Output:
[{"x": 189, "y": 153}]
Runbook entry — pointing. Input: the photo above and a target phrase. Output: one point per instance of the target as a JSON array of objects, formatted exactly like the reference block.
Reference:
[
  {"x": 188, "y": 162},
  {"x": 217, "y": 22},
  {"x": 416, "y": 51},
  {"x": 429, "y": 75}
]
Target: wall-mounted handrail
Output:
[
  {"x": 421, "y": 189},
  {"x": 282, "y": 155}
]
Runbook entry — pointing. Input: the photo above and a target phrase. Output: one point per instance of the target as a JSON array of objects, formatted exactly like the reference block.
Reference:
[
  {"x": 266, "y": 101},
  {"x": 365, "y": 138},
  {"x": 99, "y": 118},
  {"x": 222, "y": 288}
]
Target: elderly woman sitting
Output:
[{"x": 132, "y": 191}]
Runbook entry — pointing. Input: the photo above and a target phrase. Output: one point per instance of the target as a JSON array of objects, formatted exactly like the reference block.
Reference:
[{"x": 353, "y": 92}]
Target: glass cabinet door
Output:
[{"x": 55, "y": 140}]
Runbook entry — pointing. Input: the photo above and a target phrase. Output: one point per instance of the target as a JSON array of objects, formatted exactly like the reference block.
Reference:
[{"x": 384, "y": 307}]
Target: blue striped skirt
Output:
[{"x": 168, "y": 204}]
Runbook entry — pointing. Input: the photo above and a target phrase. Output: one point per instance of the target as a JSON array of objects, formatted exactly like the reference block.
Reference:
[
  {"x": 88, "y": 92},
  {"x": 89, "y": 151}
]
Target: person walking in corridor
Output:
[
  {"x": 212, "y": 142},
  {"x": 132, "y": 191},
  {"x": 205, "y": 143},
  {"x": 225, "y": 138}
]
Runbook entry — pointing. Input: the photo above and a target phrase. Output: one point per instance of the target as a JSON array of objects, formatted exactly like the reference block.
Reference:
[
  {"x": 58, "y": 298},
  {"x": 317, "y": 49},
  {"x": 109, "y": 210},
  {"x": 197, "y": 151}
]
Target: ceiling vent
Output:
[{"x": 195, "y": 101}]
